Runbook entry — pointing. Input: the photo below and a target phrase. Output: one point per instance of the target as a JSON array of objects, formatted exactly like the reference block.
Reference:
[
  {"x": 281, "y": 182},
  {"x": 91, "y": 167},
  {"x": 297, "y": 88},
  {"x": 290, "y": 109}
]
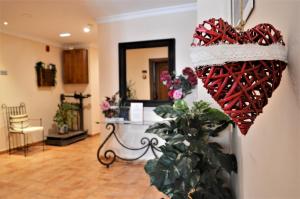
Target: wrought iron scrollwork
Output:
[{"x": 109, "y": 156}]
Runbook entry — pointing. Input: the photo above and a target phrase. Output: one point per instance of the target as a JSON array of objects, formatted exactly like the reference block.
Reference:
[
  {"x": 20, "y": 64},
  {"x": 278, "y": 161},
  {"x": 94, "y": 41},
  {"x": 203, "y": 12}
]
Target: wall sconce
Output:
[
  {"x": 144, "y": 74},
  {"x": 87, "y": 28}
]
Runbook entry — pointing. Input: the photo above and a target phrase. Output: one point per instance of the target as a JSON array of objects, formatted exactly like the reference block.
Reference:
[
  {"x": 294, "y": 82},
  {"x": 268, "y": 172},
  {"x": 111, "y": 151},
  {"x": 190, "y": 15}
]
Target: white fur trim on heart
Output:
[{"x": 222, "y": 53}]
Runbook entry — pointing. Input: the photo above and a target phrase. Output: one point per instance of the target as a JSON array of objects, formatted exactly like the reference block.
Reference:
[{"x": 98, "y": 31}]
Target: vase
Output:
[
  {"x": 63, "y": 129},
  {"x": 124, "y": 112},
  {"x": 112, "y": 112}
]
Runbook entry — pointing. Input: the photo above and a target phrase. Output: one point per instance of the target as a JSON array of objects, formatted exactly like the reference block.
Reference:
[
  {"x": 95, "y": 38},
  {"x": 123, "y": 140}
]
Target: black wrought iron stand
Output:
[
  {"x": 76, "y": 129},
  {"x": 79, "y": 97},
  {"x": 109, "y": 156}
]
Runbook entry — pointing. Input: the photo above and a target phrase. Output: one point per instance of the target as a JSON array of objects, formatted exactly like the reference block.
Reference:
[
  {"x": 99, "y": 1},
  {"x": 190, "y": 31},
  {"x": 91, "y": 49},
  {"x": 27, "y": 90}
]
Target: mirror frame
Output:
[{"x": 170, "y": 43}]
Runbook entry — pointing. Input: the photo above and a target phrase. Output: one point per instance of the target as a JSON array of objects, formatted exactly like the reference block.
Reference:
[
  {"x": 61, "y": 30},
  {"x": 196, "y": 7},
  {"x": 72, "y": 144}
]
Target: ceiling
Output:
[{"x": 45, "y": 19}]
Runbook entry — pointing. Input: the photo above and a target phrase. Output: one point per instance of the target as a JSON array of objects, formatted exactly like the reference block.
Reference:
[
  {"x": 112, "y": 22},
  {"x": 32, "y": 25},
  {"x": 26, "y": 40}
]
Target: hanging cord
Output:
[{"x": 242, "y": 22}]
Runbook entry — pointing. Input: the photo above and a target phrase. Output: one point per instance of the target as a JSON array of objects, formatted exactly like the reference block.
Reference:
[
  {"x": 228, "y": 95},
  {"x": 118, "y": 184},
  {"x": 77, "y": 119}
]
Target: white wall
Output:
[
  {"x": 213, "y": 9},
  {"x": 93, "y": 108},
  {"x": 18, "y": 56},
  {"x": 179, "y": 26},
  {"x": 271, "y": 150},
  {"x": 268, "y": 156}
]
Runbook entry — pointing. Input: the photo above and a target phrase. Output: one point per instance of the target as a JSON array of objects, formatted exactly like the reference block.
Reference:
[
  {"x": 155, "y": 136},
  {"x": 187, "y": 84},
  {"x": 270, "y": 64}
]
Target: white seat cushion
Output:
[{"x": 29, "y": 129}]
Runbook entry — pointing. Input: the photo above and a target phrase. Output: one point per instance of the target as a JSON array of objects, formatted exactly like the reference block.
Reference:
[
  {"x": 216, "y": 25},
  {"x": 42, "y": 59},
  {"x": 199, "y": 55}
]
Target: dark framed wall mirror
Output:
[{"x": 140, "y": 65}]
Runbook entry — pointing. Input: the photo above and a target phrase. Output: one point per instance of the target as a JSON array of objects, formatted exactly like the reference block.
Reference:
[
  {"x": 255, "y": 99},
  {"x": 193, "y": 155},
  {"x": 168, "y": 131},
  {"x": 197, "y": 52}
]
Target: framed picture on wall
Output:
[{"x": 248, "y": 6}]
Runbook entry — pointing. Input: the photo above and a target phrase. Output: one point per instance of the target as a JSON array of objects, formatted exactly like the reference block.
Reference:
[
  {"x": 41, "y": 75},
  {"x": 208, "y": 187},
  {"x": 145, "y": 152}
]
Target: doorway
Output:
[{"x": 157, "y": 90}]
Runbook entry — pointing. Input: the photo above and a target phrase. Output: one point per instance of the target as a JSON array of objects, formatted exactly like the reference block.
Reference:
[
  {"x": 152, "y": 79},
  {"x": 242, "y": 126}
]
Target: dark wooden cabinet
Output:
[{"x": 75, "y": 66}]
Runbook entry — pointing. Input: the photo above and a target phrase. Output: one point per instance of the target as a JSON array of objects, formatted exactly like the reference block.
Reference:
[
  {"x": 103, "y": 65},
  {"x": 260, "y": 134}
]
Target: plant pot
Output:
[
  {"x": 124, "y": 112},
  {"x": 111, "y": 113},
  {"x": 63, "y": 129}
]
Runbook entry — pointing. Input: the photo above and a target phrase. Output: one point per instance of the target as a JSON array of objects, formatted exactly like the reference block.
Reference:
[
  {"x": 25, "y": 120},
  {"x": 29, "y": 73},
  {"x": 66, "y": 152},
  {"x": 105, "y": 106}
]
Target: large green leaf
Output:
[
  {"x": 184, "y": 165},
  {"x": 167, "y": 159},
  {"x": 154, "y": 173},
  {"x": 166, "y": 111},
  {"x": 177, "y": 141},
  {"x": 213, "y": 129},
  {"x": 199, "y": 107},
  {"x": 185, "y": 85},
  {"x": 163, "y": 130},
  {"x": 227, "y": 161},
  {"x": 181, "y": 107},
  {"x": 214, "y": 115},
  {"x": 206, "y": 113}
]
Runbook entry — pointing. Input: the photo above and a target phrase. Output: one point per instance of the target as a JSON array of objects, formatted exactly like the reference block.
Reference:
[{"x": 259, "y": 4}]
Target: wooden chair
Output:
[{"x": 18, "y": 124}]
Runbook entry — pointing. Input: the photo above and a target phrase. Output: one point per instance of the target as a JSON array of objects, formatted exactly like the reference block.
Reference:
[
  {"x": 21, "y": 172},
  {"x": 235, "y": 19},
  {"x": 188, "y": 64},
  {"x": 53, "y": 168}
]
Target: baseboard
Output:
[
  {"x": 94, "y": 134},
  {"x": 3, "y": 152},
  {"x": 40, "y": 142},
  {"x": 31, "y": 144}
]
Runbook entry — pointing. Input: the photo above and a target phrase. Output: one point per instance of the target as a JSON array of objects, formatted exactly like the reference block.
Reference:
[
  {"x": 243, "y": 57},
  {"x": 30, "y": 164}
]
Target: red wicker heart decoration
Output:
[{"x": 241, "y": 88}]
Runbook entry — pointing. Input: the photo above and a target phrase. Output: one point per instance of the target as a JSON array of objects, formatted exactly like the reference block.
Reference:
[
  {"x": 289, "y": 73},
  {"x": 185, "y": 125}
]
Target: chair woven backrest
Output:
[{"x": 13, "y": 110}]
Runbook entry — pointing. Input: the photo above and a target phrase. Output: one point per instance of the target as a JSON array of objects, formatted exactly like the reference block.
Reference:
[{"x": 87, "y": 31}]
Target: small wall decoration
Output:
[
  {"x": 3, "y": 72},
  {"x": 46, "y": 75},
  {"x": 144, "y": 74},
  {"x": 240, "y": 70}
]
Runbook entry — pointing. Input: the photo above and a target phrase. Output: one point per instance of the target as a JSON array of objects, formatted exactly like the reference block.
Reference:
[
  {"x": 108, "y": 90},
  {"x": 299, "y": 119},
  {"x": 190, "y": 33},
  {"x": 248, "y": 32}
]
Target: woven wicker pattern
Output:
[{"x": 241, "y": 88}]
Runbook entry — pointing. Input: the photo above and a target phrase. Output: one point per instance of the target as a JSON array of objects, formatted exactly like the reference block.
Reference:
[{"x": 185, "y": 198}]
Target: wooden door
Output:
[{"x": 157, "y": 89}]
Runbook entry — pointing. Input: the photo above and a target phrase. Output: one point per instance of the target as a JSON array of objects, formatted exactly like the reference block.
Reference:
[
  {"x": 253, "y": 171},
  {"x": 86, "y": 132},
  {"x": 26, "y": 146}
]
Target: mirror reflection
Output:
[
  {"x": 144, "y": 66},
  {"x": 140, "y": 65}
]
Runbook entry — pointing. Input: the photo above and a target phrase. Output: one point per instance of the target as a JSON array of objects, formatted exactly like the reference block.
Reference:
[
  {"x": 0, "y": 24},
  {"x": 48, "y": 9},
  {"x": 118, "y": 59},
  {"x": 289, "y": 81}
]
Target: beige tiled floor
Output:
[{"x": 71, "y": 172}]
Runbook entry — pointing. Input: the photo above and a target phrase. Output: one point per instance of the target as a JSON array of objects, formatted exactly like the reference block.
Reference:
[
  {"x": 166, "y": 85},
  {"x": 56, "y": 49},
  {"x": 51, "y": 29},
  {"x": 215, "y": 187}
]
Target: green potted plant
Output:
[
  {"x": 192, "y": 164},
  {"x": 63, "y": 116}
]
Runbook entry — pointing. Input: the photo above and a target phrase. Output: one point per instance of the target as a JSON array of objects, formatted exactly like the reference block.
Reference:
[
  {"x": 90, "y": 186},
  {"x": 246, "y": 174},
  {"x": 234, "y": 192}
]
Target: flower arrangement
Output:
[
  {"x": 108, "y": 106},
  {"x": 179, "y": 86}
]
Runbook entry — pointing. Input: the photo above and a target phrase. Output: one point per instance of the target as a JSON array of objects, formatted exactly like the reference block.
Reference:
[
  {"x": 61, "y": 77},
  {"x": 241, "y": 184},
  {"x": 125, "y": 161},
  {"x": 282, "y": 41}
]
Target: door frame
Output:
[{"x": 152, "y": 74}]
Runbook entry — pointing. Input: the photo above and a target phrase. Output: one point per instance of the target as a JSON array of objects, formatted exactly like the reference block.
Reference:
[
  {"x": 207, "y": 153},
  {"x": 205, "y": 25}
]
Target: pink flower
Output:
[
  {"x": 177, "y": 94},
  {"x": 165, "y": 76},
  {"x": 105, "y": 106},
  {"x": 177, "y": 82},
  {"x": 187, "y": 71},
  {"x": 170, "y": 94},
  {"x": 193, "y": 80},
  {"x": 169, "y": 85}
]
